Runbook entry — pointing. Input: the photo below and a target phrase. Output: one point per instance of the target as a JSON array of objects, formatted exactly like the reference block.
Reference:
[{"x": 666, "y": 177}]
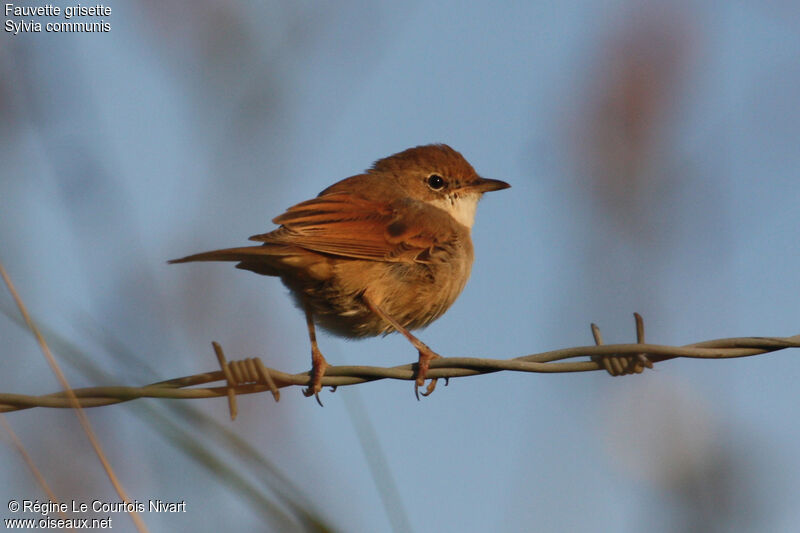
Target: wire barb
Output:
[
  {"x": 245, "y": 371},
  {"x": 618, "y": 365},
  {"x": 233, "y": 407},
  {"x": 641, "y": 359}
]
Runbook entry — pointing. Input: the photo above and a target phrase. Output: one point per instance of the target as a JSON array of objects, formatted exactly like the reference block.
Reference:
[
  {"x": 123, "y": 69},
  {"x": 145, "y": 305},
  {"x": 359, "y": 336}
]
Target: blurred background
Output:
[{"x": 653, "y": 149}]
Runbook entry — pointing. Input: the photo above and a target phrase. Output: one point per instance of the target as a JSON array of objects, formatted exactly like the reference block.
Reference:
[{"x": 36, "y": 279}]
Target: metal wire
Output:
[{"x": 252, "y": 376}]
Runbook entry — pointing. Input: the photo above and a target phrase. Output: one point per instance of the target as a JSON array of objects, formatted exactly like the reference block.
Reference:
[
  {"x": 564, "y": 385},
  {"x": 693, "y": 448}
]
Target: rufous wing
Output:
[{"x": 347, "y": 225}]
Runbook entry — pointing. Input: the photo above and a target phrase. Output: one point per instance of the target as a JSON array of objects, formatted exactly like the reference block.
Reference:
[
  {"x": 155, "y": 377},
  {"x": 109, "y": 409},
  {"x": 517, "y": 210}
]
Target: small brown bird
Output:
[{"x": 387, "y": 250}]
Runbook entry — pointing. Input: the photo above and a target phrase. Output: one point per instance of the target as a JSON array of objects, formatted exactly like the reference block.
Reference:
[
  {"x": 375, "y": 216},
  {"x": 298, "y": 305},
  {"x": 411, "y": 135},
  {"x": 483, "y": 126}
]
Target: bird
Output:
[{"x": 388, "y": 250}]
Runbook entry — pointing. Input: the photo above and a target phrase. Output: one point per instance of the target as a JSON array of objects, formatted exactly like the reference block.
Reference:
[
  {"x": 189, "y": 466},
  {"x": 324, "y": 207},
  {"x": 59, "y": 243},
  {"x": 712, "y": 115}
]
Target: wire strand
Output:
[{"x": 268, "y": 379}]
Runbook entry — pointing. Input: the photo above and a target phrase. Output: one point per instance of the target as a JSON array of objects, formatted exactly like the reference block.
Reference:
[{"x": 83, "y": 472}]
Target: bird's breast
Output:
[{"x": 413, "y": 293}]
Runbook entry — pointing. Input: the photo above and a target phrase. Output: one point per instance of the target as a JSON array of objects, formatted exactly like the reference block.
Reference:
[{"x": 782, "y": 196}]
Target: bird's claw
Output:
[
  {"x": 423, "y": 365},
  {"x": 314, "y": 391},
  {"x": 318, "y": 368}
]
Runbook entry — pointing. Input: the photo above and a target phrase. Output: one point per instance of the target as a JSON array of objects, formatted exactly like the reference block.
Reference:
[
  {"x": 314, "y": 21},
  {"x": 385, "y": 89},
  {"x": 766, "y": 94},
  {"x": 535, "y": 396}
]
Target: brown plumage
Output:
[{"x": 387, "y": 250}]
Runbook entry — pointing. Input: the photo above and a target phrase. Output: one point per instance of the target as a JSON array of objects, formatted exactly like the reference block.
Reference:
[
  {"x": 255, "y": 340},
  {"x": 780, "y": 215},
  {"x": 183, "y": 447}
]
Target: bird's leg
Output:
[
  {"x": 426, "y": 355},
  {"x": 318, "y": 362}
]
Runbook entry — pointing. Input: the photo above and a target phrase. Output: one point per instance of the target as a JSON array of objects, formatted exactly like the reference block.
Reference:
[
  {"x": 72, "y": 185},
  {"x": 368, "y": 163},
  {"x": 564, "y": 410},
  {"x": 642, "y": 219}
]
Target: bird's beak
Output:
[{"x": 483, "y": 185}]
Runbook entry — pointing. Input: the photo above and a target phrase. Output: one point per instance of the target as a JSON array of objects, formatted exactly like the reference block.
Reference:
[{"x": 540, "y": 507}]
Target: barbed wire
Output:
[{"x": 250, "y": 376}]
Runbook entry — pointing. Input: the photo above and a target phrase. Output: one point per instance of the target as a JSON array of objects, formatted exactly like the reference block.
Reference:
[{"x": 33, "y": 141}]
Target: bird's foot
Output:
[
  {"x": 423, "y": 365},
  {"x": 318, "y": 367}
]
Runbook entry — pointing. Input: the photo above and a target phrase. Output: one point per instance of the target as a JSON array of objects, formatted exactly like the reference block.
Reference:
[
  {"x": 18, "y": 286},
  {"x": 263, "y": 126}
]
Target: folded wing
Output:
[{"x": 350, "y": 226}]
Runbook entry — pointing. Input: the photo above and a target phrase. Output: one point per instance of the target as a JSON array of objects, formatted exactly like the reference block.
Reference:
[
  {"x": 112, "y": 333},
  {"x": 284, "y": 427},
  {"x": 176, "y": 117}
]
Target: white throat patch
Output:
[{"x": 461, "y": 207}]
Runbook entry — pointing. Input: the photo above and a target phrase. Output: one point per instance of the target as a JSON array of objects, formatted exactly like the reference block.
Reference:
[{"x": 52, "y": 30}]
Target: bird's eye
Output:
[{"x": 436, "y": 182}]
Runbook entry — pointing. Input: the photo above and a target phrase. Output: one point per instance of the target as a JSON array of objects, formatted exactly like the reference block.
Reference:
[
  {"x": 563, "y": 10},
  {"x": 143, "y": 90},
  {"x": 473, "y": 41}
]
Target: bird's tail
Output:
[
  {"x": 269, "y": 259},
  {"x": 244, "y": 253}
]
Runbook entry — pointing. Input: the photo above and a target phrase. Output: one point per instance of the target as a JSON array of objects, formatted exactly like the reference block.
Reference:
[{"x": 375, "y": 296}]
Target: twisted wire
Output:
[{"x": 251, "y": 376}]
